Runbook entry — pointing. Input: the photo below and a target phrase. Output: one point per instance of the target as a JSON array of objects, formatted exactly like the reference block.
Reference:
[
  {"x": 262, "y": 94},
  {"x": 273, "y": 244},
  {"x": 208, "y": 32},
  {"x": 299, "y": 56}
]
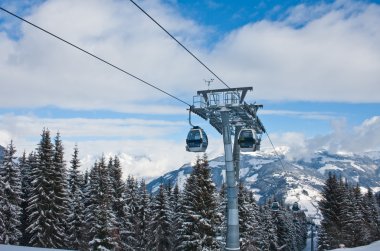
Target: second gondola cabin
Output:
[
  {"x": 296, "y": 207},
  {"x": 196, "y": 140},
  {"x": 248, "y": 140},
  {"x": 275, "y": 206}
]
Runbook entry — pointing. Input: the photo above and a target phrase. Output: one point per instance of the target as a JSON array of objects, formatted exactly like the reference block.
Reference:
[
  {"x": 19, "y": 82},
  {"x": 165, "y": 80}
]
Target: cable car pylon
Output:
[{"x": 228, "y": 113}]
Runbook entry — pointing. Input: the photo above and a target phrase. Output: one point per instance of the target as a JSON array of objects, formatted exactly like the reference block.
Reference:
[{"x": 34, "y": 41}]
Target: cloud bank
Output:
[
  {"x": 359, "y": 139},
  {"x": 322, "y": 52}
]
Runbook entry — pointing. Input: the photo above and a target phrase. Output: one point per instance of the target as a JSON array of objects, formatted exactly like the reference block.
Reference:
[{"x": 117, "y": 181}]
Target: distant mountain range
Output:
[{"x": 296, "y": 180}]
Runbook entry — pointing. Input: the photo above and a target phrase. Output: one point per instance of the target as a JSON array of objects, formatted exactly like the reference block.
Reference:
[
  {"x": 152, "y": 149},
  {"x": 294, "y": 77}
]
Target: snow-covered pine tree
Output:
[
  {"x": 356, "y": 227},
  {"x": 377, "y": 198},
  {"x": 268, "y": 228},
  {"x": 76, "y": 217},
  {"x": 2, "y": 198},
  {"x": 371, "y": 216},
  {"x": 285, "y": 230},
  {"x": 42, "y": 224},
  {"x": 91, "y": 197},
  {"x": 105, "y": 234},
  {"x": 144, "y": 214},
  {"x": 118, "y": 187},
  {"x": 85, "y": 181},
  {"x": 330, "y": 209},
  {"x": 160, "y": 223},
  {"x": 60, "y": 206},
  {"x": 345, "y": 213},
  {"x": 118, "y": 198},
  {"x": 247, "y": 220},
  {"x": 258, "y": 231},
  {"x": 10, "y": 203},
  {"x": 300, "y": 229},
  {"x": 25, "y": 170},
  {"x": 129, "y": 236},
  {"x": 177, "y": 221},
  {"x": 221, "y": 219},
  {"x": 200, "y": 210}
]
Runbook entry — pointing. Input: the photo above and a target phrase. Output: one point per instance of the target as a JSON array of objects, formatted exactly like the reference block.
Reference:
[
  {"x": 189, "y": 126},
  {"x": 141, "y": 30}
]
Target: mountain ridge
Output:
[{"x": 293, "y": 180}]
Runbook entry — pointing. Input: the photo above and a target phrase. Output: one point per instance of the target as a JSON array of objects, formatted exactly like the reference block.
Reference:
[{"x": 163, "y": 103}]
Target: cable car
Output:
[
  {"x": 196, "y": 140},
  {"x": 275, "y": 206},
  {"x": 295, "y": 207},
  {"x": 248, "y": 140}
]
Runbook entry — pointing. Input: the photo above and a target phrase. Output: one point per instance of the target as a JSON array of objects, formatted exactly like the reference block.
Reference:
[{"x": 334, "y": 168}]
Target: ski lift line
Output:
[
  {"x": 178, "y": 42},
  {"x": 275, "y": 151},
  {"x": 96, "y": 57}
]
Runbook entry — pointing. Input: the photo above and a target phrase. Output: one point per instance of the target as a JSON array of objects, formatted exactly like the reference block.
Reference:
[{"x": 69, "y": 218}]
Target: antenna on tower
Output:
[{"x": 209, "y": 82}]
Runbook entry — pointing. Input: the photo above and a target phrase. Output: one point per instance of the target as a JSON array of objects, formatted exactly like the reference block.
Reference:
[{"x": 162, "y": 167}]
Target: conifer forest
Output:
[{"x": 45, "y": 201}]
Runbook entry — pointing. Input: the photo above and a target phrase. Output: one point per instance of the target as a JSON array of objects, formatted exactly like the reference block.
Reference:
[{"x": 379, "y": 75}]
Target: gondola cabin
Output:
[
  {"x": 248, "y": 140},
  {"x": 196, "y": 140},
  {"x": 275, "y": 206},
  {"x": 295, "y": 207}
]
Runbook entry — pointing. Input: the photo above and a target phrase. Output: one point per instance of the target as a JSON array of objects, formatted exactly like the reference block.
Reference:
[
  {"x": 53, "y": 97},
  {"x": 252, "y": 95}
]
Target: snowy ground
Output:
[
  {"x": 371, "y": 247},
  {"x": 19, "y": 248},
  {"x": 308, "y": 245}
]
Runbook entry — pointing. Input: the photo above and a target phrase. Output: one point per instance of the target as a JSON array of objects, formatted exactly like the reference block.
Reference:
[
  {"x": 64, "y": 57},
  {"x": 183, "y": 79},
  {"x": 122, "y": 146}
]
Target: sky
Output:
[{"x": 314, "y": 65}]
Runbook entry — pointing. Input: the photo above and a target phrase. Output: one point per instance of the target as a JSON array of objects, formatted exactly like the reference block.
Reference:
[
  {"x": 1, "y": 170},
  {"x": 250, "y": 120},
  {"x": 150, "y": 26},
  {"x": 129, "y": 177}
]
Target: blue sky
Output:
[{"x": 314, "y": 65}]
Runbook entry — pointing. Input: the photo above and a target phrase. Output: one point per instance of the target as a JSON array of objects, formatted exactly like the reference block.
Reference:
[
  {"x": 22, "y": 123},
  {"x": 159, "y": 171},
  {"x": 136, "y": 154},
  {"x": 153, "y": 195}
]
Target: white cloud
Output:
[
  {"x": 335, "y": 56},
  {"x": 362, "y": 138},
  {"x": 300, "y": 114},
  {"x": 50, "y": 72},
  {"x": 147, "y": 147},
  {"x": 326, "y": 52}
]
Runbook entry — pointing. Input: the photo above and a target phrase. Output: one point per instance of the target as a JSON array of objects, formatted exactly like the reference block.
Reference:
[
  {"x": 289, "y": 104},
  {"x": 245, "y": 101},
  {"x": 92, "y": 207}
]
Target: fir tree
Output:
[
  {"x": 91, "y": 202},
  {"x": 330, "y": 209},
  {"x": 346, "y": 215},
  {"x": 200, "y": 211},
  {"x": 221, "y": 219},
  {"x": 105, "y": 234},
  {"x": 269, "y": 228},
  {"x": 143, "y": 216},
  {"x": 76, "y": 217},
  {"x": 44, "y": 227},
  {"x": 247, "y": 220},
  {"x": 25, "y": 169},
  {"x": 160, "y": 224},
  {"x": 118, "y": 198},
  {"x": 132, "y": 204},
  {"x": 355, "y": 229},
  {"x": 371, "y": 216},
  {"x": 177, "y": 221},
  {"x": 10, "y": 203},
  {"x": 284, "y": 229},
  {"x": 300, "y": 226},
  {"x": 60, "y": 194},
  {"x": 2, "y": 216}
]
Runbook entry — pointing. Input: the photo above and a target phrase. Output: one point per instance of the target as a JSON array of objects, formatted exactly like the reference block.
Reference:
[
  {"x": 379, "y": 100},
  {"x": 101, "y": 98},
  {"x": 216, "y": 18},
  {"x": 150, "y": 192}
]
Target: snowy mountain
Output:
[{"x": 297, "y": 180}]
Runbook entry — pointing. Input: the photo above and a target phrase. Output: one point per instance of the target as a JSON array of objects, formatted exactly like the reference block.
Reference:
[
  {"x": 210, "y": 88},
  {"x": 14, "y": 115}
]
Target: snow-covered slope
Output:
[
  {"x": 20, "y": 248},
  {"x": 371, "y": 247},
  {"x": 296, "y": 180}
]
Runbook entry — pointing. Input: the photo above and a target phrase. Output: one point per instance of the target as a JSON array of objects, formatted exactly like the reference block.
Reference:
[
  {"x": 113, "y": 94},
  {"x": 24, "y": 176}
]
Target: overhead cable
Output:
[
  {"x": 275, "y": 151},
  {"x": 94, "y": 56},
  {"x": 183, "y": 46}
]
